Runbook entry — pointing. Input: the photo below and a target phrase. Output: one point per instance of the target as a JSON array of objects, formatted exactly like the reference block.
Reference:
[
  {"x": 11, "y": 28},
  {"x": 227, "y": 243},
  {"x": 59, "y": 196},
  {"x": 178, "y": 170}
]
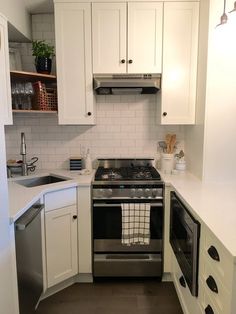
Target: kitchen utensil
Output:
[
  {"x": 167, "y": 140},
  {"x": 172, "y": 143},
  {"x": 162, "y": 145}
]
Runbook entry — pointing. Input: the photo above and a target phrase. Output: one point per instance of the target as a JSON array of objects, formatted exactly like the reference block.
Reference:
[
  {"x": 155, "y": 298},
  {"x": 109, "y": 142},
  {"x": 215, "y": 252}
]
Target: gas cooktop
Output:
[
  {"x": 127, "y": 173},
  {"x": 126, "y": 170}
]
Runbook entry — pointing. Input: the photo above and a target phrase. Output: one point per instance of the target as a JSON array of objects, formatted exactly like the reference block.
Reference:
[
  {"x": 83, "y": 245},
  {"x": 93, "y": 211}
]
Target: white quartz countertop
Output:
[
  {"x": 213, "y": 204},
  {"x": 21, "y": 197}
]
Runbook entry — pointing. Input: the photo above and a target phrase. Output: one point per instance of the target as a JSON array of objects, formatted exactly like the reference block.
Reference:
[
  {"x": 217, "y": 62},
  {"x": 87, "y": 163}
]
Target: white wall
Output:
[
  {"x": 220, "y": 126},
  {"x": 194, "y": 134},
  {"x": 17, "y": 15},
  {"x": 125, "y": 125}
]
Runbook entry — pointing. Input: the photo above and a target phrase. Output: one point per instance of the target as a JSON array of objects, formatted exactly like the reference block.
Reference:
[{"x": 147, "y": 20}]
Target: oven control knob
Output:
[
  {"x": 133, "y": 193},
  {"x": 155, "y": 192},
  {"x": 108, "y": 192},
  {"x": 139, "y": 192},
  {"x": 100, "y": 193},
  {"x": 148, "y": 192}
]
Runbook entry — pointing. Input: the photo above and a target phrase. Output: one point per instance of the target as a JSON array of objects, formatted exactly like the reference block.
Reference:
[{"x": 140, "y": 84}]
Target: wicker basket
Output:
[{"x": 44, "y": 98}]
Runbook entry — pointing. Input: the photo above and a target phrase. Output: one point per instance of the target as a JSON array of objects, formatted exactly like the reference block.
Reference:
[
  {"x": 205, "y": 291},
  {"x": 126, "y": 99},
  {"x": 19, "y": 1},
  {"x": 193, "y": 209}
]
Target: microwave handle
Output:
[{"x": 119, "y": 204}]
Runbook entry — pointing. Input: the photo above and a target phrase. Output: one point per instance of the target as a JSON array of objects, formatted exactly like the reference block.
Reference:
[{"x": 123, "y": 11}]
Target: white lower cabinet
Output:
[
  {"x": 216, "y": 277},
  {"x": 61, "y": 244},
  {"x": 190, "y": 304},
  {"x": 61, "y": 231}
]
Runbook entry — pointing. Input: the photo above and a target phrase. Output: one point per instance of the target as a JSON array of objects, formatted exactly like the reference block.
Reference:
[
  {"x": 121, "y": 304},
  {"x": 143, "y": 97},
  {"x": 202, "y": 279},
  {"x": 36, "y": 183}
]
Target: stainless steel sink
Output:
[{"x": 31, "y": 182}]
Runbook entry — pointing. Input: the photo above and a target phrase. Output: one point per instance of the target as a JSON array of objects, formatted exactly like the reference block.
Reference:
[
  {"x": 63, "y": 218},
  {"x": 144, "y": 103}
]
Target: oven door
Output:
[
  {"x": 184, "y": 239},
  {"x": 107, "y": 228}
]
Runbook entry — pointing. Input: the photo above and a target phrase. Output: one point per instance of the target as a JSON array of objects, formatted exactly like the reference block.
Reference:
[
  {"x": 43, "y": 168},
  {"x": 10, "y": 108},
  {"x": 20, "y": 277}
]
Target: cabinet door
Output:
[
  {"x": 61, "y": 244},
  {"x": 180, "y": 48},
  {"x": 74, "y": 63},
  {"x": 145, "y": 37},
  {"x": 5, "y": 89},
  {"x": 109, "y": 37}
]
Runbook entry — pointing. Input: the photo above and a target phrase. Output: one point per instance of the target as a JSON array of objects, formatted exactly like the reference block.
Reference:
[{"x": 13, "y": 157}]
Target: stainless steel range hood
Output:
[{"x": 127, "y": 84}]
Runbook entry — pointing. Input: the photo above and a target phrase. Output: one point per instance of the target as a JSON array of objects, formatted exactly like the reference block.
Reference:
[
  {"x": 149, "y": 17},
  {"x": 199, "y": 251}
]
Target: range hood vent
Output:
[{"x": 127, "y": 84}]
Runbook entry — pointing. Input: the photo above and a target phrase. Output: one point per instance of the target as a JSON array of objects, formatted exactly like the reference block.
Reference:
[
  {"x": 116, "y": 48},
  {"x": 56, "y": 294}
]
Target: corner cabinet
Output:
[
  {"x": 61, "y": 225},
  {"x": 134, "y": 33},
  {"x": 180, "y": 51},
  {"x": 74, "y": 63},
  {"x": 5, "y": 87}
]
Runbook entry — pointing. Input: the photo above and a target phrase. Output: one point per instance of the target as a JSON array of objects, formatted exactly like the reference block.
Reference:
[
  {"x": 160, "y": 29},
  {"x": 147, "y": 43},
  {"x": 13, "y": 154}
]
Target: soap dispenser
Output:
[{"x": 88, "y": 161}]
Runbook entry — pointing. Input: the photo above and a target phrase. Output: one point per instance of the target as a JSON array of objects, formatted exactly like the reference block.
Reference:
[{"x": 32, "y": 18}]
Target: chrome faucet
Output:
[{"x": 26, "y": 166}]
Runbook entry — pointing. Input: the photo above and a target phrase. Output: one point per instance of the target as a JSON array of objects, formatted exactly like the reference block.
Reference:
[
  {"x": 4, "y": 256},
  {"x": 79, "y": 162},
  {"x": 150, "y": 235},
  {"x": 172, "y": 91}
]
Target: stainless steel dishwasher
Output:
[{"x": 28, "y": 240}]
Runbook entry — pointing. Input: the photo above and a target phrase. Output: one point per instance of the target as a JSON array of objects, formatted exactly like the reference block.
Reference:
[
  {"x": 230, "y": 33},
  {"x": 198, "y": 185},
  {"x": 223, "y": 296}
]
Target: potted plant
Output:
[{"x": 43, "y": 53}]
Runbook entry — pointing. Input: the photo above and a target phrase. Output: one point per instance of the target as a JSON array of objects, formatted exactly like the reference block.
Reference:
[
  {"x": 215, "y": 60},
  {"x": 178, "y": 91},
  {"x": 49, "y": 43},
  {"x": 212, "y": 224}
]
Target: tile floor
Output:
[{"x": 114, "y": 297}]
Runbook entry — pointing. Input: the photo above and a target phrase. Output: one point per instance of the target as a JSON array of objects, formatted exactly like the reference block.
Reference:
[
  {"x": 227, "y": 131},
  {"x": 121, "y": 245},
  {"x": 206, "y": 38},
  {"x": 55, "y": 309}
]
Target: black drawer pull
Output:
[
  {"x": 212, "y": 284},
  {"x": 182, "y": 281},
  {"x": 74, "y": 216},
  {"x": 212, "y": 251},
  {"x": 209, "y": 310}
]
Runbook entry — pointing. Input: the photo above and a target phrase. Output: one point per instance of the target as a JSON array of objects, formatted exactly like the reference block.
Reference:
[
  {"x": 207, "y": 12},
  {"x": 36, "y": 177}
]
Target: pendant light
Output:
[
  {"x": 234, "y": 9},
  {"x": 224, "y": 17}
]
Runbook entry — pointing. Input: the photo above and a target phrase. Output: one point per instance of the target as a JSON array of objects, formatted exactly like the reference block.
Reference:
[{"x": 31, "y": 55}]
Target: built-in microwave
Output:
[{"x": 184, "y": 239}]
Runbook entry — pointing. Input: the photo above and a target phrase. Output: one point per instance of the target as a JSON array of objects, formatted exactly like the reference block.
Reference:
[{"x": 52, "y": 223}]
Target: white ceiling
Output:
[{"x": 39, "y": 6}]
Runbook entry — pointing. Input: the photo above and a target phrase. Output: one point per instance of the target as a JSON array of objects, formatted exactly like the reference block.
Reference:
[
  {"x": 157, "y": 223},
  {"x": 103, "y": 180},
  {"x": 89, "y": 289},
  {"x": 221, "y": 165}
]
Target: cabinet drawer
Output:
[
  {"x": 207, "y": 305},
  {"x": 224, "y": 267},
  {"x": 59, "y": 199},
  {"x": 221, "y": 297}
]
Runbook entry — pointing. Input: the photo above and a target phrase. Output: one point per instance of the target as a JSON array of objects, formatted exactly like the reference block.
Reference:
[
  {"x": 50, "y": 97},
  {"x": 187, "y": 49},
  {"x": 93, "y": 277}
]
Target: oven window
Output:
[
  {"x": 184, "y": 239},
  {"x": 183, "y": 236},
  {"x": 107, "y": 222}
]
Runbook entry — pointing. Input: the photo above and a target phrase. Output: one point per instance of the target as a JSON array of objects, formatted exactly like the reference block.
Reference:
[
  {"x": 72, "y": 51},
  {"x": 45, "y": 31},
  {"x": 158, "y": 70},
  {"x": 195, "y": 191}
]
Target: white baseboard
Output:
[{"x": 167, "y": 277}]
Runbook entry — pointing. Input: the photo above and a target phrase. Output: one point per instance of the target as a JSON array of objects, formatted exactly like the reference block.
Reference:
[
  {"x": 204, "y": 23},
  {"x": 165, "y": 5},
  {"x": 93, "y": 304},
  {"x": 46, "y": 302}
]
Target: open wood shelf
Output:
[{"x": 32, "y": 76}]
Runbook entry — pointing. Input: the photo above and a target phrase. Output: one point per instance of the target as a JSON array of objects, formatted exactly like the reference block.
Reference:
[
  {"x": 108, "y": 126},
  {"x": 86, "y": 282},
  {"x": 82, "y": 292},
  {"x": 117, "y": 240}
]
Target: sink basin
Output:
[{"x": 31, "y": 182}]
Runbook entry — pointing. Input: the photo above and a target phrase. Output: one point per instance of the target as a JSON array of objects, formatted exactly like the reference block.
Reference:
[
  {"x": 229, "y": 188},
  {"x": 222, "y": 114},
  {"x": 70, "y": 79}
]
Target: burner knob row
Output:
[
  {"x": 145, "y": 193},
  {"x": 104, "y": 193}
]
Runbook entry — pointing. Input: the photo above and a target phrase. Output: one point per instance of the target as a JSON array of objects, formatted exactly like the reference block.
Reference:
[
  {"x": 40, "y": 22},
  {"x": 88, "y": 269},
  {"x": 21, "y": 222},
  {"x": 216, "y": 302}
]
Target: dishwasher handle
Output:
[{"x": 28, "y": 217}]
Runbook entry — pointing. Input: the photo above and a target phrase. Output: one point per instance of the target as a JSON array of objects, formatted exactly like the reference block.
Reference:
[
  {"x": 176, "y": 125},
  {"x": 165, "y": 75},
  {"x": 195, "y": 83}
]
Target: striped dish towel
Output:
[{"x": 135, "y": 223}]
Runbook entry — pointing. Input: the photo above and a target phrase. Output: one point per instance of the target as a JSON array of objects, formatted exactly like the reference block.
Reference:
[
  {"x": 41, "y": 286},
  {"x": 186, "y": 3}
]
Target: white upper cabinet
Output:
[
  {"x": 180, "y": 50},
  {"x": 74, "y": 63},
  {"x": 109, "y": 37},
  {"x": 144, "y": 37},
  {"x": 127, "y": 38},
  {"x": 5, "y": 87}
]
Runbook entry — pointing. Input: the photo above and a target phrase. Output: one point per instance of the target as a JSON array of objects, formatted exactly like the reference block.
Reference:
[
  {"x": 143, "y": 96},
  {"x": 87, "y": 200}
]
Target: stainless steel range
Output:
[{"x": 120, "y": 183}]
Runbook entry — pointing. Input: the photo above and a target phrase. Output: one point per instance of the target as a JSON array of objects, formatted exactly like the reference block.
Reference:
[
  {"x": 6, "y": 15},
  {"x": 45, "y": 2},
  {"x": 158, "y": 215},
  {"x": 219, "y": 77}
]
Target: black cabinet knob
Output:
[
  {"x": 122, "y": 61},
  {"x": 130, "y": 61},
  {"x": 164, "y": 114},
  {"x": 212, "y": 284},
  {"x": 89, "y": 113},
  {"x": 209, "y": 310},
  {"x": 182, "y": 281},
  {"x": 74, "y": 216},
  {"x": 212, "y": 251}
]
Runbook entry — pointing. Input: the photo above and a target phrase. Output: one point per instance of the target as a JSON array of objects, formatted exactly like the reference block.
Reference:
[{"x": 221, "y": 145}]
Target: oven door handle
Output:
[{"x": 119, "y": 204}]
